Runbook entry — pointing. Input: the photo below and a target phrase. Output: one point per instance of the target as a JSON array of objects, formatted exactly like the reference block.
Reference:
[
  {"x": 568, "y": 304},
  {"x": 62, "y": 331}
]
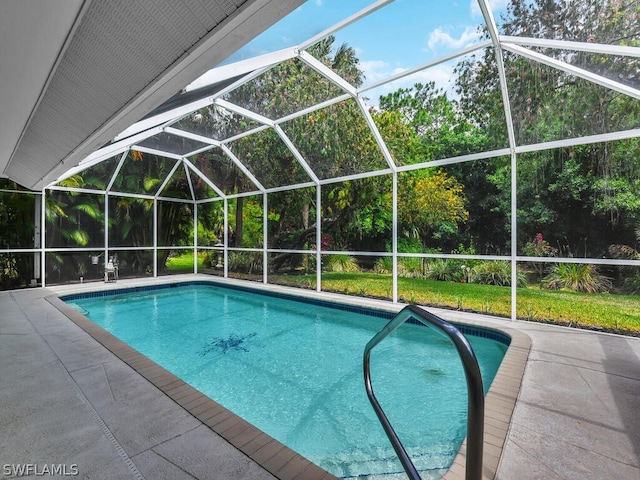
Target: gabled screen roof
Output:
[{"x": 272, "y": 118}]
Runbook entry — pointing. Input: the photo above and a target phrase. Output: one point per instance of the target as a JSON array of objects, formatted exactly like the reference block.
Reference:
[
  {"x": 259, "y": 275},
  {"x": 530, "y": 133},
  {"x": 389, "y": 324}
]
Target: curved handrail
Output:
[{"x": 475, "y": 417}]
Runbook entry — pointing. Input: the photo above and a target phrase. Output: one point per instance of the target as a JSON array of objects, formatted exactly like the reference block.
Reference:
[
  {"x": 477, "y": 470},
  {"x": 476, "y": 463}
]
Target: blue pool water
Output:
[{"x": 294, "y": 370}]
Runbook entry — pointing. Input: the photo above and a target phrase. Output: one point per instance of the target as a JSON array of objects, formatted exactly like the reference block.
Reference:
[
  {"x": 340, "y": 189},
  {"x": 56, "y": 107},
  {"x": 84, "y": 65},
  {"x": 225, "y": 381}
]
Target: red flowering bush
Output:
[{"x": 539, "y": 247}]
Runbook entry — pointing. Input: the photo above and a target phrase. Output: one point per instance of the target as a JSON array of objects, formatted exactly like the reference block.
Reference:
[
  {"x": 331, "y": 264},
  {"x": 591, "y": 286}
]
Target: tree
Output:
[
  {"x": 442, "y": 130},
  {"x": 570, "y": 190},
  {"x": 17, "y": 229},
  {"x": 334, "y": 141},
  {"x": 430, "y": 203}
]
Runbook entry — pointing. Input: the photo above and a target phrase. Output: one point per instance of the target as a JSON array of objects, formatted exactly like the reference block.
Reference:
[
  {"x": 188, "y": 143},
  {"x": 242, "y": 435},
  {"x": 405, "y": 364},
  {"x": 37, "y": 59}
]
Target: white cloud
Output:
[
  {"x": 494, "y": 5},
  {"x": 441, "y": 75},
  {"x": 440, "y": 37},
  {"x": 375, "y": 70}
]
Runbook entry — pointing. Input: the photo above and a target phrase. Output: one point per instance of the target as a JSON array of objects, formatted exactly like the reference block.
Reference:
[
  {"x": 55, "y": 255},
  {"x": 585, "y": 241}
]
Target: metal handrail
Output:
[{"x": 475, "y": 417}]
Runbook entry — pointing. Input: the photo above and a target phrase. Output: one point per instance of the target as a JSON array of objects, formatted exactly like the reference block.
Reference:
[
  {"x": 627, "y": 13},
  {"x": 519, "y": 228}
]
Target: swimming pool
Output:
[{"x": 295, "y": 370}]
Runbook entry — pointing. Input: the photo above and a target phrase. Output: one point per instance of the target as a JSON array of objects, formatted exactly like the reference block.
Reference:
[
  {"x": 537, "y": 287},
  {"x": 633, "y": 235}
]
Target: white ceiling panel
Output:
[{"x": 75, "y": 74}]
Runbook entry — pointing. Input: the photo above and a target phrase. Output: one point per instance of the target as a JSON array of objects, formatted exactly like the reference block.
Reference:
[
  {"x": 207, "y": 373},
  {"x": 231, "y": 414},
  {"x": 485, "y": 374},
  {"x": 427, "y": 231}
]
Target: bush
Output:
[
  {"x": 576, "y": 277},
  {"x": 496, "y": 272},
  {"x": 443, "y": 269},
  {"x": 210, "y": 258},
  {"x": 340, "y": 263},
  {"x": 631, "y": 285},
  {"x": 410, "y": 267},
  {"x": 383, "y": 265},
  {"x": 245, "y": 262},
  {"x": 408, "y": 245},
  {"x": 539, "y": 247}
]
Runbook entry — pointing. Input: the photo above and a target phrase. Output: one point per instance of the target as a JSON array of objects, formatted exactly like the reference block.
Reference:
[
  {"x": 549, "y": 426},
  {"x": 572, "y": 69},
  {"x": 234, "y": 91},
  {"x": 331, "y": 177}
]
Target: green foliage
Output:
[
  {"x": 340, "y": 263},
  {"x": 569, "y": 192},
  {"x": 252, "y": 233},
  {"x": 496, "y": 272},
  {"x": 17, "y": 223},
  {"x": 631, "y": 279},
  {"x": 430, "y": 203},
  {"x": 414, "y": 267},
  {"x": 402, "y": 141},
  {"x": 207, "y": 237},
  {"x": 443, "y": 269},
  {"x": 245, "y": 262},
  {"x": 183, "y": 261},
  {"x": 577, "y": 277},
  {"x": 539, "y": 247},
  {"x": 408, "y": 245},
  {"x": 438, "y": 122},
  {"x": 9, "y": 271},
  {"x": 383, "y": 265},
  {"x": 410, "y": 267},
  {"x": 631, "y": 283},
  {"x": 616, "y": 197}
]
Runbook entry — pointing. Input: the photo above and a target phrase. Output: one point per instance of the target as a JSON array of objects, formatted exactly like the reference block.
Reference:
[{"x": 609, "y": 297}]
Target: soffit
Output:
[{"x": 119, "y": 61}]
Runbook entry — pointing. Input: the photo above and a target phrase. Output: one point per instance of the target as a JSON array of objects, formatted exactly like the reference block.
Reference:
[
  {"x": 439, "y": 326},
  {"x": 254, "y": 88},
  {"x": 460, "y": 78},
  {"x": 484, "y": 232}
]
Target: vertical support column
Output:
[
  {"x": 37, "y": 238},
  {"x": 43, "y": 238},
  {"x": 514, "y": 235},
  {"x": 225, "y": 249},
  {"x": 318, "y": 238},
  {"x": 195, "y": 237},
  {"x": 155, "y": 237},
  {"x": 265, "y": 230},
  {"x": 394, "y": 233},
  {"x": 106, "y": 230}
]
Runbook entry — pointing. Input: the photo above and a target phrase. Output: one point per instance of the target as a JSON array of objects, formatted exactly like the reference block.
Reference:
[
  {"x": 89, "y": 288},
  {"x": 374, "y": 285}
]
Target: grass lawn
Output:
[
  {"x": 616, "y": 313},
  {"x": 184, "y": 263}
]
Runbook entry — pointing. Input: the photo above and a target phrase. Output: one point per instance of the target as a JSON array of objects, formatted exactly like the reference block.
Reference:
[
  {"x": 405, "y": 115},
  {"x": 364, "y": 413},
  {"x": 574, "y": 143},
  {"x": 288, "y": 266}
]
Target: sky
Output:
[{"x": 401, "y": 35}]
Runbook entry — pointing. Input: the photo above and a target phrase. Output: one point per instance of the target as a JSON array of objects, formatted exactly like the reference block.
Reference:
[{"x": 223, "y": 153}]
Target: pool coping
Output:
[{"x": 275, "y": 457}]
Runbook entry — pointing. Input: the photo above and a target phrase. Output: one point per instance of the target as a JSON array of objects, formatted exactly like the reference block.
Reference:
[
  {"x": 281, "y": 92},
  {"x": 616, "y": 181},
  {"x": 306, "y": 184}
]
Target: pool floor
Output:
[{"x": 294, "y": 370}]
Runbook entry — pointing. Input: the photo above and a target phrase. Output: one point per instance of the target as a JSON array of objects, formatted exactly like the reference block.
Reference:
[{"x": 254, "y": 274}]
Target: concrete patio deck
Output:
[{"x": 67, "y": 400}]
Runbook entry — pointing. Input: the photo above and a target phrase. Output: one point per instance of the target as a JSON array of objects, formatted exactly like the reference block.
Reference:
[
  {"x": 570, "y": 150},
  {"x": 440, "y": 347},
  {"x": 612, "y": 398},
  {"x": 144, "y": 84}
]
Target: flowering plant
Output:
[{"x": 539, "y": 247}]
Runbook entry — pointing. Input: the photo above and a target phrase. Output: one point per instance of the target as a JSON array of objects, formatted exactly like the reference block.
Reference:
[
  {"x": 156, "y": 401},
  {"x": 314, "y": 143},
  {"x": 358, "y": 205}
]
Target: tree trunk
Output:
[{"x": 305, "y": 216}]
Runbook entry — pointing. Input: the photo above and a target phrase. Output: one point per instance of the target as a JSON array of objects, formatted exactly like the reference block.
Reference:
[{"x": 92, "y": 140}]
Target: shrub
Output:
[
  {"x": 631, "y": 285},
  {"x": 539, "y": 247},
  {"x": 577, "y": 277},
  {"x": 408, "y": 245},
  {"x": 245, "y": 262},
  {"x": 496, "y": 272},
  {"x": 340, "y": 262},
  {"x": 410, "y": 267},
  {"x": 443, "y": 269},
  {"x": 383, "y": 265}
]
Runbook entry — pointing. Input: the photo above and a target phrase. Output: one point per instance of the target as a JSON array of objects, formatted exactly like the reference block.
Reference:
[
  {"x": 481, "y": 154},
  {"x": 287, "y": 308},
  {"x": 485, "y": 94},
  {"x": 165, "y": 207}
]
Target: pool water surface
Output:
[{"x": 294, "y": 370}]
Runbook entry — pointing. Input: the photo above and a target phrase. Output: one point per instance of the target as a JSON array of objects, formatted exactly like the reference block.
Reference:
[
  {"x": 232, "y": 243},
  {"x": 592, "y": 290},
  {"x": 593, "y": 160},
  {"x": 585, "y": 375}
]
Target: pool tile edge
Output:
[{"x": 498, "y": 407}]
